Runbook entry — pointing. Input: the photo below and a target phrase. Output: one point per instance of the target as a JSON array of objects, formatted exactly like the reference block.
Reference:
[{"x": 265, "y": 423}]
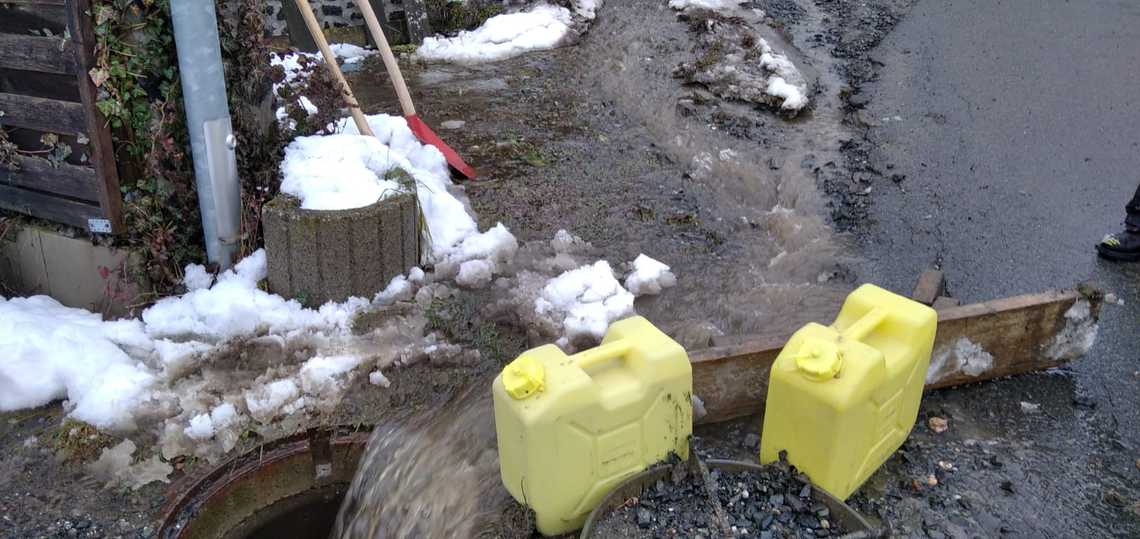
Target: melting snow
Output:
[
  {"x": 503, "y": 36},
  {"x": 649, "y": 277}
]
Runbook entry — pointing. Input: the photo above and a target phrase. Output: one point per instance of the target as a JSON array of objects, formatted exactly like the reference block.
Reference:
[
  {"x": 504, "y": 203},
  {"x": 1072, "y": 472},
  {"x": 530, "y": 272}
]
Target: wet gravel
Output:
[{"x": 773, "y": 502}]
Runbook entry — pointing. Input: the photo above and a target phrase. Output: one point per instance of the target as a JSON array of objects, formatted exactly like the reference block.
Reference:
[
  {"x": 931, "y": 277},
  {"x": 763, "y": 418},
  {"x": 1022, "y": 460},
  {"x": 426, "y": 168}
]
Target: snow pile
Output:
[
  {"x": 649, "y": 277},
  {"x": 587, "y": 9},
  {"x": 785, "y": 82},
  {"x": 503, "y": 36},
  {"x": 584, "y": 302},
  {"x": 235, "y": 306},
  {"x": 714, "y": 5},
  {"x": 338, "y": 172},
  {"x": 455, "y": 237},
  {"x": 54, "y": 352}
]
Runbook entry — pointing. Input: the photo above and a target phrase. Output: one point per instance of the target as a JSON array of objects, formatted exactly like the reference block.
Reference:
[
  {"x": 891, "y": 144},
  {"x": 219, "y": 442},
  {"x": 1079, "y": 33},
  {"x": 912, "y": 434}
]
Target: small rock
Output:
[
  {"x": 805, "y": 492},
  {"x": 752, "y": 440},
  {"x": 947, "y": 466},
  {"x": 1029, "y": 407},
  {"x": 1007, "y": 486},
  {"x": 931, "y": 480},
  {"x": 1084, "y": 402},
  {"x": 453, "y": 124},
  {"x": 938, "y": 424},
  {"x": 644, "y": 518}
]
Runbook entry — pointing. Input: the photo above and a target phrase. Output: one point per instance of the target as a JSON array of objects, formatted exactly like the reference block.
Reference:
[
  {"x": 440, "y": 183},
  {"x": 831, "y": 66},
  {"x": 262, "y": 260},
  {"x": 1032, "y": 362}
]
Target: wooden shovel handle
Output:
[
  {"x": 331, "y": 65},
  {"x": 389, "y": 59}
]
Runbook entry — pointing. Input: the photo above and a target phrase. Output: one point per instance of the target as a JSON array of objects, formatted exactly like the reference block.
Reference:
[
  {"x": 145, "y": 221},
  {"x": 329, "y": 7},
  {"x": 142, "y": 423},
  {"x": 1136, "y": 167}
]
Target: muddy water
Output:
[
  {"x": 736, "y": 213},
  {"x": 435, "y": 474}
]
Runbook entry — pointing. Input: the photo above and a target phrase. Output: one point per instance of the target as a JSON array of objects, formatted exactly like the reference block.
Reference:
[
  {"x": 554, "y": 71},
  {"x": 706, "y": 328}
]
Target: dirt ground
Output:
[{"x": 599, "y": 138}]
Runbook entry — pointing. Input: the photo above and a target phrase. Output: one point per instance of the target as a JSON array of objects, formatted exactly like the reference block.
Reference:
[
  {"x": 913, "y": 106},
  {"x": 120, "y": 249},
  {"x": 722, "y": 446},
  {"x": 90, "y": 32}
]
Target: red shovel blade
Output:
[{"x": 427, "y": 136}]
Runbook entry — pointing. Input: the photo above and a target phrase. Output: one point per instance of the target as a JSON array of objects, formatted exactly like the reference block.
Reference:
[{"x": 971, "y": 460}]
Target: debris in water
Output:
[{"x": 115, "y": 467}]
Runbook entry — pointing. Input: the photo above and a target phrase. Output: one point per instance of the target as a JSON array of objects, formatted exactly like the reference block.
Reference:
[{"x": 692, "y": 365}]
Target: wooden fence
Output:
[{"x": 46, "y": 51}]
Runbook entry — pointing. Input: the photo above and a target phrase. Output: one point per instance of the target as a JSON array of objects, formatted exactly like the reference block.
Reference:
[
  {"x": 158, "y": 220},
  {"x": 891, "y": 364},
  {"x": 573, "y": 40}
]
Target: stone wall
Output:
[{"x": 331, "y": 13}]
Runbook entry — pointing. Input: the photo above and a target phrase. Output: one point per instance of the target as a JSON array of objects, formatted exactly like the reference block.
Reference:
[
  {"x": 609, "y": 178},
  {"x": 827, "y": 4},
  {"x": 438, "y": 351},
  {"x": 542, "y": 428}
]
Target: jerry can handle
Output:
[
  {"x": 865, "y": 324},
  {"x": 601, "y": 354}
]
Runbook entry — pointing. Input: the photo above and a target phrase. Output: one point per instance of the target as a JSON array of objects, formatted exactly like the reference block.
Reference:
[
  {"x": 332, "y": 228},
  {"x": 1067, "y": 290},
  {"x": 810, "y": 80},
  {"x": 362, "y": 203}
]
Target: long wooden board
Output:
[
  {"x": 975, "y": 342},
  {"x": 36, "y": 53}
]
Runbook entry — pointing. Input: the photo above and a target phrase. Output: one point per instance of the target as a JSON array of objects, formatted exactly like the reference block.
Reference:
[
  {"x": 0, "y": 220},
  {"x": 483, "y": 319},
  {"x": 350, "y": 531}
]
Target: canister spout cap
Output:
[
  {"x": 819, "y": 359},
  {"x": 523, "y": 377}
]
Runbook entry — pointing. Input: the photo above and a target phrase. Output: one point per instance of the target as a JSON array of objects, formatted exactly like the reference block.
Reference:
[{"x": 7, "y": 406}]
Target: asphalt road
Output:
[{"x": 1017, "y": 126}]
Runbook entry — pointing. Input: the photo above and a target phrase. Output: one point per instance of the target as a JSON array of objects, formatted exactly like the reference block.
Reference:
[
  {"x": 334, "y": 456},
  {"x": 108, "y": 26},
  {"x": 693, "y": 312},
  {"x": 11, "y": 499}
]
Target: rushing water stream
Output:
[{"x": 436, "y": 474}]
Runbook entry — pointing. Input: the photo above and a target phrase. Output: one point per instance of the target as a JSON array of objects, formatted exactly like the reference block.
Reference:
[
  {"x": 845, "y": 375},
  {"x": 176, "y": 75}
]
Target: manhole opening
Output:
[{"x": 308, "y": 515}]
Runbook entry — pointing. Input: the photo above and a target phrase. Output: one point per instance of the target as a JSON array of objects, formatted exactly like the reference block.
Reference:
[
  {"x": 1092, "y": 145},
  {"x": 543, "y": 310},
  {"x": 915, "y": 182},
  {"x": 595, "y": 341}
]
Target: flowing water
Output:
[{"x": 435, "y": 474}]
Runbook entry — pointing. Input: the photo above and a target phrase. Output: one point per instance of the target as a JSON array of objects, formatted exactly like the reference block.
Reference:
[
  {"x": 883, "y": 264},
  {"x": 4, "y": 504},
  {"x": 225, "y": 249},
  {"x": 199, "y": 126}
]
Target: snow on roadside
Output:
[
  {"x": 542, "y": 27},
  {"x": 736, "y": 62},
  {"x": 54, "y": 352},
  {"x": 715, "y": 5}
]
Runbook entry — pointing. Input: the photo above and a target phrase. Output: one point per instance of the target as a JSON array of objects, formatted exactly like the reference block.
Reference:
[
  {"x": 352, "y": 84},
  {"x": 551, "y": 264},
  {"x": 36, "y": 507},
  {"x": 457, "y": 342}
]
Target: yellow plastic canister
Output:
[
  {"x": 842, "y": 399},
  {"x": 570, "y": 428}
]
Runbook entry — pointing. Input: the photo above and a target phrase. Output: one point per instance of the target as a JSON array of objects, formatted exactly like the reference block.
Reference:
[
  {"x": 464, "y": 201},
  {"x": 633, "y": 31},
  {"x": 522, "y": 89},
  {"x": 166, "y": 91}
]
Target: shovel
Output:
[
  {"x": 334, "y": 69},
  {"x": 417, "y": 125}
]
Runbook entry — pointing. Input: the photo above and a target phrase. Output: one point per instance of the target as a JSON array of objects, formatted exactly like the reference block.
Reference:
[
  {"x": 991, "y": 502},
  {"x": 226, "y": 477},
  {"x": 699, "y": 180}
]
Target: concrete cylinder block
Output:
[{"x": 316, "y": 256}]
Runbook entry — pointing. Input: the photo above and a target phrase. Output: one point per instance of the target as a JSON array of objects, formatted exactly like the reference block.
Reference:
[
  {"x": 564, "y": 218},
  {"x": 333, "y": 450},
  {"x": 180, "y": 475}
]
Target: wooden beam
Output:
[
  {"x": 34, "y": 53},
  {"x": 102, "y": 147},
  {"x": 975, "y": 342},
  {"x": 43, "y": 114}
]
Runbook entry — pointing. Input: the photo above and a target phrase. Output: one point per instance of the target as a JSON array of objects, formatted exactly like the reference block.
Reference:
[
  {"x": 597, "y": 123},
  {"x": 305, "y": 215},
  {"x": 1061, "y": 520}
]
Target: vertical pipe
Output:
[{"x": 208, "y": 121}]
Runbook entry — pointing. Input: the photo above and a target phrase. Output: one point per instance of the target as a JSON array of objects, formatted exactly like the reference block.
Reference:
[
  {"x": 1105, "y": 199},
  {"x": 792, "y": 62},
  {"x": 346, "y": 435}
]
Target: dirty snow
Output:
[
  {"x": 964, "y": 356},
  {"x": 116, "y": 466},
  {"x": 587, "y": 9},
  {"x": 1078, "y": 335},
  {"x": 503, "y": 36},
  {"x": 714, "y": 5},
  {"x": 747, "y": 70},
  {"x": 649, "y": 277}
]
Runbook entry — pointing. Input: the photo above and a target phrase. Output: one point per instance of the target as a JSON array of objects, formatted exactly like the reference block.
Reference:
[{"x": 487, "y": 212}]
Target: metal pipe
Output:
[{"x": 208, "y": 120}]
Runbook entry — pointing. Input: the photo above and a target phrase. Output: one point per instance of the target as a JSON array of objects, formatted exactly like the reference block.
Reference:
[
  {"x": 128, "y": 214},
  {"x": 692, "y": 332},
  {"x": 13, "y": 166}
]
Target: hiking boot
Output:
[{"x": 1124, "y": 246}]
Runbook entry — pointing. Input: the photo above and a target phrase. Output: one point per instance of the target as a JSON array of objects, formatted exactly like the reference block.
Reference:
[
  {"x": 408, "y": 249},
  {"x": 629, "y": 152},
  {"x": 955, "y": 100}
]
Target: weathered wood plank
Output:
[
  {"x": 54, "y": 208},
  {"x": 43, "y": 114},
  {"x": 21, "y": 19},
  {"x": 35, "y": 2},
  {"x": 46, "y": 85},
  {"x": 102, "y": 148},
  {"x": 33, "y": 53},
  {"x": 975, "y": 342},
  {"x": 64, "y": 179}
]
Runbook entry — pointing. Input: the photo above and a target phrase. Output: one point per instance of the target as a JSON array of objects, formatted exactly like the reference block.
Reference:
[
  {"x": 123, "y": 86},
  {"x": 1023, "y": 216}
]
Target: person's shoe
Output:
[{"x": 1123, "y": 246}]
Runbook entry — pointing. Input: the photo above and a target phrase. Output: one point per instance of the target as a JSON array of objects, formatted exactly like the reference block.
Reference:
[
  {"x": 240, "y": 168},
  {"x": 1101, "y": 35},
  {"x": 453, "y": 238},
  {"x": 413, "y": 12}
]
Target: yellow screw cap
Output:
[
  {"x": 523, "y": 377},
  {"x": 819, "y": 359}
]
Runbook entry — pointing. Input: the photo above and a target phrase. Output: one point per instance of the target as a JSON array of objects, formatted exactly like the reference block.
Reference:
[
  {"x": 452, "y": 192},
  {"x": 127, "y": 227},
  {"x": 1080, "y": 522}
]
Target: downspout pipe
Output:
[{"x": 208, "y": 120}]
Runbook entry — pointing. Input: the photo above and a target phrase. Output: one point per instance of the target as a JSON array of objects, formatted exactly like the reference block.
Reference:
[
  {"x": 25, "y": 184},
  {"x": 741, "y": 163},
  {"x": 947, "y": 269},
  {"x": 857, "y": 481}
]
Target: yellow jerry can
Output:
[
  {"x": 571, "y": 428},
  {"x": 842, "y": 399}
]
